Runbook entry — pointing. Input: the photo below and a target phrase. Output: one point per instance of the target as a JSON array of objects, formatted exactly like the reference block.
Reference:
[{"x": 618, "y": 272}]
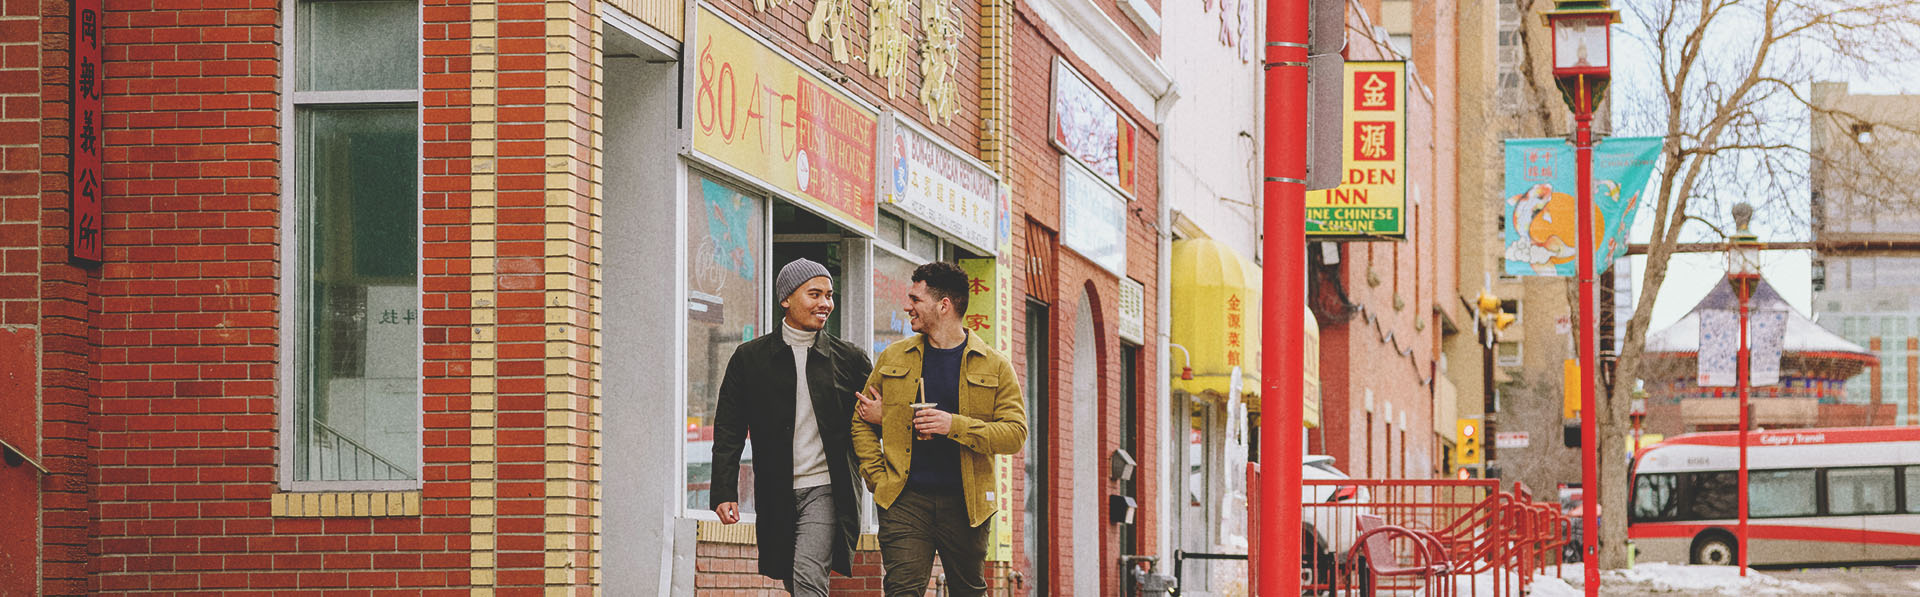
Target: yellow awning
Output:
[{"x": 1216, "y": 318}]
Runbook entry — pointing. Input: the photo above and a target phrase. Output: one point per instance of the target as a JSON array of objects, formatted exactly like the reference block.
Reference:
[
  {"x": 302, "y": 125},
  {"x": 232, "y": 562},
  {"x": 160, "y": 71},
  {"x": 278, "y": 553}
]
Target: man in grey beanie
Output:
[{"x": 792, "y": 393}]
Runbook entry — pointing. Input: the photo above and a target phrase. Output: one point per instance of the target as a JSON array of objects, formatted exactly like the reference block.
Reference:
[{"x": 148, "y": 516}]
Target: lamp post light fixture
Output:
[
  {"x": 1582, "y": 66},
  {"x": 1743, "y": 273}
]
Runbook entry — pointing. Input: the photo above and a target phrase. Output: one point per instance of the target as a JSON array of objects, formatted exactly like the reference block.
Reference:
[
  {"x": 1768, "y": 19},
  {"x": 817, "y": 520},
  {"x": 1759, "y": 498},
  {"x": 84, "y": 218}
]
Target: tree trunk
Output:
[{"x": 1615, "y": 425}]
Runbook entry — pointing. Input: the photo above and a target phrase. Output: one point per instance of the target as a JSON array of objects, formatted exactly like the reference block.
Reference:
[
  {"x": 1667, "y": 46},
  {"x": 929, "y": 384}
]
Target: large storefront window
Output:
[
  {"x": 354, "y": 307},
  {"x": 725, "y": 307},
  {"x": 892, "y": 277}
]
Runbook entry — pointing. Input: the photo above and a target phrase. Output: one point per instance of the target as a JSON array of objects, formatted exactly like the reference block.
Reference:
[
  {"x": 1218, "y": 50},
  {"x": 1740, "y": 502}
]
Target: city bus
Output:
[{"x": 1815, "y": 496}]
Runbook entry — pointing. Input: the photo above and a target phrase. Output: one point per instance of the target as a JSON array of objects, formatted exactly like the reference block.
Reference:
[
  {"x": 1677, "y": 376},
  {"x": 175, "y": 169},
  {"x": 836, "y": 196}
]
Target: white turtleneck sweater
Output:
[{"x": 809, "y": 455}]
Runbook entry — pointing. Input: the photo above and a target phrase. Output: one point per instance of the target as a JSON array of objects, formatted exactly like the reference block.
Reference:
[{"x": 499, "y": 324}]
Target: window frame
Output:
[
  {"x": 1819, "y": 493},
  {"x": 292, "y": 103},
  {"x": 695, "y": 173},
  {"x": 1894, "y": 508}
]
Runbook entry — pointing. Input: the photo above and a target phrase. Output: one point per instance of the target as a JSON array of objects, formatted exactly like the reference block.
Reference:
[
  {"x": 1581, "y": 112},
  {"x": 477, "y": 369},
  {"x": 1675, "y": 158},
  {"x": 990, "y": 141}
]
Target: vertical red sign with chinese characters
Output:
[
  {"x": 1373, "y": 140},
  {"x": 85, "y": 188}
]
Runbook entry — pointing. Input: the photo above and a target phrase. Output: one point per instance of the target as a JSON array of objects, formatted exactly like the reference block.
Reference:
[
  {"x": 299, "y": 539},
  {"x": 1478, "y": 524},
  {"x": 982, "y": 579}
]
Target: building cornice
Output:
[{"x": 1097, "y": 40}]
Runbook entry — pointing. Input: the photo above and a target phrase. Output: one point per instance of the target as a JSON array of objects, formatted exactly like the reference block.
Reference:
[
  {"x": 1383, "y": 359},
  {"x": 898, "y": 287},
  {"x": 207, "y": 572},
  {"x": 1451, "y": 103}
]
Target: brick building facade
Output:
[{"x": 261, "y": 391}]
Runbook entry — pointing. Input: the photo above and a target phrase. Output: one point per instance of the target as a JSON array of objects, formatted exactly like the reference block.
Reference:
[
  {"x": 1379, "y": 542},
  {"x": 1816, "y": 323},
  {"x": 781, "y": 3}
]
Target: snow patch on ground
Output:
[
  {"x": 1553, "y": 587},
  {"x": 1679, "y": 579}
]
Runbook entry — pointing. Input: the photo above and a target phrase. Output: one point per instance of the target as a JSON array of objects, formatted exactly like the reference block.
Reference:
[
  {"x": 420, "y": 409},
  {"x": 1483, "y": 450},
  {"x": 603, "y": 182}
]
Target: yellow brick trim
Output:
[
  {"x": 356, "y": 504},
  {"x": 708, "y": 531}
]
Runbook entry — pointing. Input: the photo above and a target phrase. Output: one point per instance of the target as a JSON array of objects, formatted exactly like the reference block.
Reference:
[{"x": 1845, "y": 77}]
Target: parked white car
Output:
[{"x": 1330, "y": 530}]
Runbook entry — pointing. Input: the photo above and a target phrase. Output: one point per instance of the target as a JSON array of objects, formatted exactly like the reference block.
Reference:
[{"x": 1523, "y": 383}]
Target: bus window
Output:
[
  {"x": 1860, "y": 491},
  {"x": 1653, "y": 497},
  {"x": 1773, "y": 494},
  {"x": 1913, "y": 489},
  {"x": 1710, "y": 496}
]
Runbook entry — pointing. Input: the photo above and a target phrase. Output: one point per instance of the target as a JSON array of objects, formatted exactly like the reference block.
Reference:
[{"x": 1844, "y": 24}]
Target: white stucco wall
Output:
[{"x": 1211, "y": 138}]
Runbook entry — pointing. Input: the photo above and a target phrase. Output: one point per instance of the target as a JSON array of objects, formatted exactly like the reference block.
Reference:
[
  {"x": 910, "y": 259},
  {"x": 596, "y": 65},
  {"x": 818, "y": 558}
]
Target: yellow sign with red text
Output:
[
  {"x": 757, "y": 111},
  {"x": 989, "y": 311},
  {"x": 1371, "y": 201}
]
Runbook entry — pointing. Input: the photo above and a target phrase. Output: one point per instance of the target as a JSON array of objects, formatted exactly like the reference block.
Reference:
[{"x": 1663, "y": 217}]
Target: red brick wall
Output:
[
  {"x": 184, "y": 430},
  {"x": 42, "y": 290},
  {"x": 19, "y": 290},
  {"x": 1034, "y": 171}
]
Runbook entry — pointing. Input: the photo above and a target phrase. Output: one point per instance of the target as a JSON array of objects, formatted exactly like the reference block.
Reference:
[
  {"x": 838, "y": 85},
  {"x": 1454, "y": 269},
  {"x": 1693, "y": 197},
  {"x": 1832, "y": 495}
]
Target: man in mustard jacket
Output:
[{"x": 931, "y": 469}]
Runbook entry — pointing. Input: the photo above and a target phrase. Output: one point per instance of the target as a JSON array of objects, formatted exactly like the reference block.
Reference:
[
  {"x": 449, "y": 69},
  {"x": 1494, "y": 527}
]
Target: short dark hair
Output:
[{"x": 945, "y": 280}]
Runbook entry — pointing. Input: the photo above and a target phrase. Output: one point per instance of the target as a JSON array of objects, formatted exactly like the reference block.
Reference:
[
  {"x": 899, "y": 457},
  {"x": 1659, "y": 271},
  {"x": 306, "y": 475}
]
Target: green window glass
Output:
[
  {"x": 348, "y": 45},
  {"x": 352, "y": 229},
  {"x": 359, "y": 309}
]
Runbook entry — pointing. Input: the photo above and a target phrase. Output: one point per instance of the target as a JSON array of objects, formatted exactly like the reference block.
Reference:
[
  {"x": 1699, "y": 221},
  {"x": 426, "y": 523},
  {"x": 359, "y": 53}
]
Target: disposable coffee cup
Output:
[{"x": 917, "y": 407}]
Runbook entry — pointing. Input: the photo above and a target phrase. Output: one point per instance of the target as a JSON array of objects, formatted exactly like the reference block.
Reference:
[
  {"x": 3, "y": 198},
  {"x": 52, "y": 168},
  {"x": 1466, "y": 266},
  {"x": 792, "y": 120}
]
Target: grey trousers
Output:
[
  {"x": 812, "y": 541},
  {"x": 916, "y": 527}
]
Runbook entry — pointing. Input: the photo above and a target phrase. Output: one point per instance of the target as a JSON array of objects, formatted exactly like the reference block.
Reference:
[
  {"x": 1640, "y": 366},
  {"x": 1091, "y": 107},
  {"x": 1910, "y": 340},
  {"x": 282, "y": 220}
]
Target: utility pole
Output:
[{"x": 1284, "y": 290}]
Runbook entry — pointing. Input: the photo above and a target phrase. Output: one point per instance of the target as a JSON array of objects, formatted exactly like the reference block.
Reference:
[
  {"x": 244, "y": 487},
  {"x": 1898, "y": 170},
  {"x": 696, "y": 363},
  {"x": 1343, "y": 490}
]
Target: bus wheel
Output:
[{"x": 1714, "y": 549}]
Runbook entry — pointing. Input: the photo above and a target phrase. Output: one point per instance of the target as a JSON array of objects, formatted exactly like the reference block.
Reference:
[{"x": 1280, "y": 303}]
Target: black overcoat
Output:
[{"x": 757, "y": 404}]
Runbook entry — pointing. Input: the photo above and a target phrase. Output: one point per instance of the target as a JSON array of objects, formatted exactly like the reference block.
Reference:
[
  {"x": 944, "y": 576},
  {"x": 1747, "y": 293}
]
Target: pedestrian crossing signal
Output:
[{"x": 1468, "y": 446}]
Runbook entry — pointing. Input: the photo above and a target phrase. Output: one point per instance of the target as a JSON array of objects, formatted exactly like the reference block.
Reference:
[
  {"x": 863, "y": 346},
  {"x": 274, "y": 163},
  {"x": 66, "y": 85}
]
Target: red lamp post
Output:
[
  {"x": 1284, "y": 289},
  {"x": 1582, "y": 51},
  {"x": 1743, "y": 273}
]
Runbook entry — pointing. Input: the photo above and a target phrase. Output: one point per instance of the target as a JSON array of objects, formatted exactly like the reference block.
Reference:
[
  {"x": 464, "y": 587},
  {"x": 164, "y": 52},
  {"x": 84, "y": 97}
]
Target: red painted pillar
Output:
[
  {"x": 1284, "y": 291},
  {"x": 1589, "y": 330},
  {"x": 1746, "y": 371}
]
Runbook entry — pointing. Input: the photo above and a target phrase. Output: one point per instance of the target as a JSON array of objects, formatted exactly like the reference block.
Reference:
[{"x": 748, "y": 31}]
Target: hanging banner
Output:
[
  {"x": 756, "y": 111},
  {"x": 1540, "y": 231},
  {"x": 85, "y": 187},
  {"x": 989, "y": 315},
  {"x": 1719, "y": 348},
  {"x": 1091, "y": 130},
  {"x": 1371, "y": 201},
  {"x": 1766, "y": 333}
]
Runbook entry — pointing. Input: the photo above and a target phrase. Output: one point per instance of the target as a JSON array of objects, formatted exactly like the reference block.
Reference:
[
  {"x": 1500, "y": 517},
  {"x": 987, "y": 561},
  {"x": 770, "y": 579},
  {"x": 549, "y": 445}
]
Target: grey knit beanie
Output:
[{"x": 795, "y": 274}]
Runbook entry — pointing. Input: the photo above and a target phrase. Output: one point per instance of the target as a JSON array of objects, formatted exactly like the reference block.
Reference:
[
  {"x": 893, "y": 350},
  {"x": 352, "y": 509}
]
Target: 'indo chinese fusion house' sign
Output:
[
  {"x": 1371, "y": 201},
  {"x": 758, "y": 112}
]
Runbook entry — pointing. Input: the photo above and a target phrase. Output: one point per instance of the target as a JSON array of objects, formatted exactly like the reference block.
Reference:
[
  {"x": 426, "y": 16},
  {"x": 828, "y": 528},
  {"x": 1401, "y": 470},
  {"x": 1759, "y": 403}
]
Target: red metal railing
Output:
[{"x": 1438, "y": 537}]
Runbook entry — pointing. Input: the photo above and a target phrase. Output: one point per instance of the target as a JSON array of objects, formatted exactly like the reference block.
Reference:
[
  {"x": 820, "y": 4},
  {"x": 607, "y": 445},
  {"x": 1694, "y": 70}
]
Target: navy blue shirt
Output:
[{"x": 935, "y": 464}]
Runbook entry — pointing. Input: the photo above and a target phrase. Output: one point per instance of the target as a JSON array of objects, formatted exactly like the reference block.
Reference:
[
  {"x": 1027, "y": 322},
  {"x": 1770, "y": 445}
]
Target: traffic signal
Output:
[
  {"x": 1570, "y": 389},
  {"x": 1468, "y": 445}
]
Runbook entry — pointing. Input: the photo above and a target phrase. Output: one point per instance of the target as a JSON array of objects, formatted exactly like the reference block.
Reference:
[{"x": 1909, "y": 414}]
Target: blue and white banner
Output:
[{"x": 1540, "y": 234}]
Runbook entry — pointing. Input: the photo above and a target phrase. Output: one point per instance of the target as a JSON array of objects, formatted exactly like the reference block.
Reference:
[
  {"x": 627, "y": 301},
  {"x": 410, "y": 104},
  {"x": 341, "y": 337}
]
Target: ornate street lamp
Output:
[
  {"x": 1582, "y": 66},
  {"x": 1743, "y": 273}
]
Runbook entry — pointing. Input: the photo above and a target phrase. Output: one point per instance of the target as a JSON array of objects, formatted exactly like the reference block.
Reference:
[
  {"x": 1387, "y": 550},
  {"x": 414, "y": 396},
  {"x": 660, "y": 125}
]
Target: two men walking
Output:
[{"x": 818, "y": 412}]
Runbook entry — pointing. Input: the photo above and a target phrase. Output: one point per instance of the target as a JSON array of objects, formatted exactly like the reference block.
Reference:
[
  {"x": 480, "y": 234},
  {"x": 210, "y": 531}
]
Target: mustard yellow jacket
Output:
[{"x": 992, "y": 420}]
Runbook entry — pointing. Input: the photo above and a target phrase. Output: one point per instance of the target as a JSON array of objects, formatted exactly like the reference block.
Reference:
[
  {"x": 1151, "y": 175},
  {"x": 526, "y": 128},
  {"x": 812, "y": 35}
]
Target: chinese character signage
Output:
[
  {"x": 85, "y": 183},
  {"x": 1091, "y": 130},
  {"x": 989, "y": 309},
  {"x": 1371, "y": 201},
  {"x": 1540, "y": 234},
  {"x": 940, "y": 187},
  {"x": 1093, "y": 218},
  {"x": 758, "y": 112},
  {"x": 1236, "y": 310}
]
